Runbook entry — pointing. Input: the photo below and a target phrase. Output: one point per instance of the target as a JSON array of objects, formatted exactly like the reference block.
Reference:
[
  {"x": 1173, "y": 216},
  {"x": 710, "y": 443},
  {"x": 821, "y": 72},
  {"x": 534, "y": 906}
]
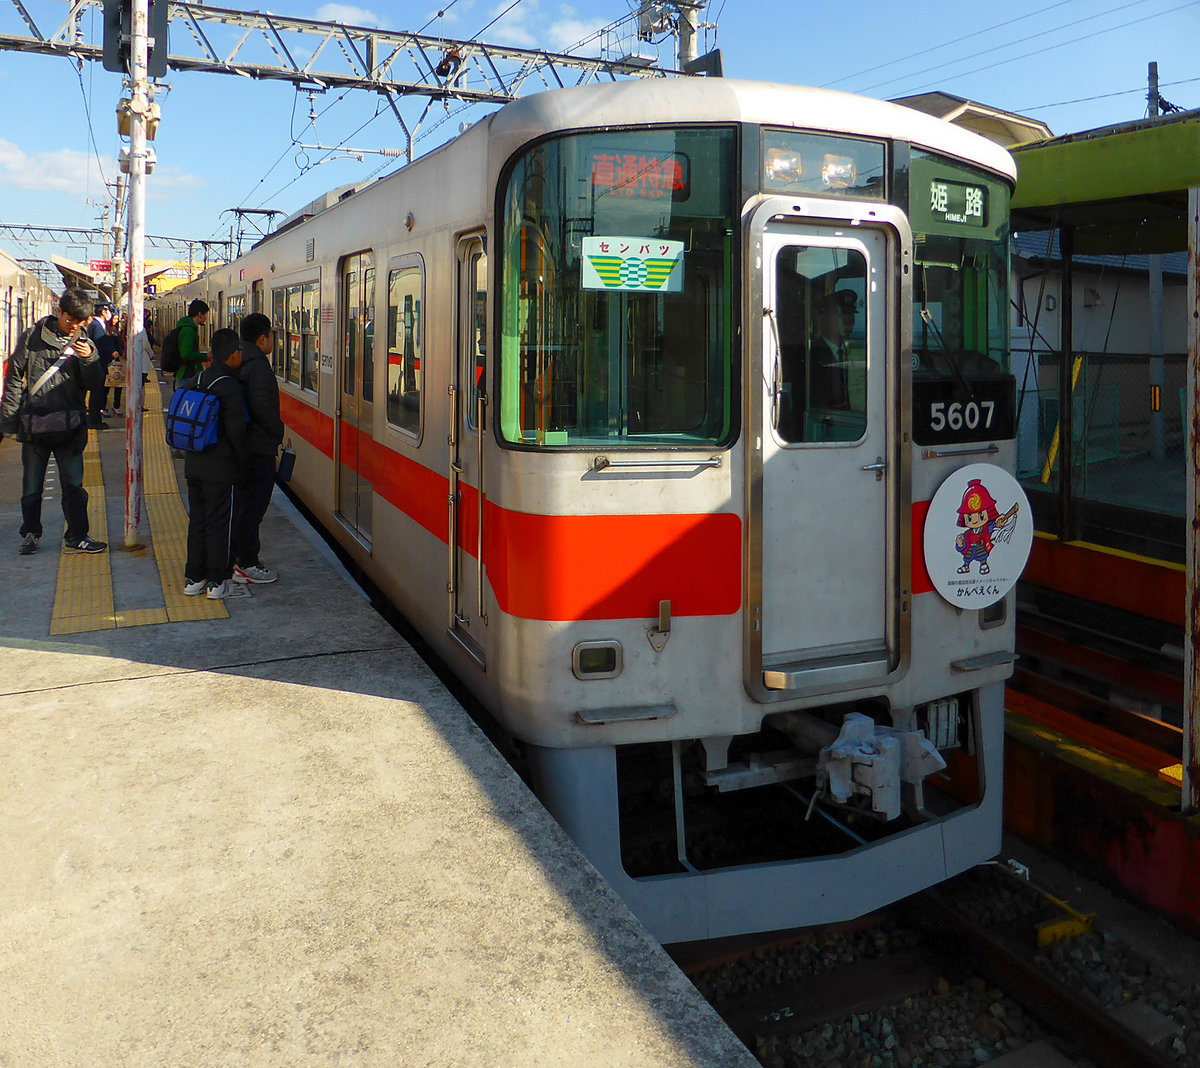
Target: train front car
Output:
[{"x": 747, "y": 338}]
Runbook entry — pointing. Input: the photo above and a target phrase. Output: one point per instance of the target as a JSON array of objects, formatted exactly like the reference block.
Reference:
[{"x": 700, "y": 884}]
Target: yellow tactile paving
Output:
[
  {"x": 84, "y": 595},
  {"x": 83, "y": 598}
]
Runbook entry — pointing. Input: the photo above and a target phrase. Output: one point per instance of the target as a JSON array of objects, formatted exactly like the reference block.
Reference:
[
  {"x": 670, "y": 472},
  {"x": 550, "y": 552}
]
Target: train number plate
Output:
[{"x": 945, "y": 413}]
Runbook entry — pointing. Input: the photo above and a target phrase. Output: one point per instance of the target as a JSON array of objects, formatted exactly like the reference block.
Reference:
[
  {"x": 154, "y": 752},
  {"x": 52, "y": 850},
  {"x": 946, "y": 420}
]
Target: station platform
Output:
[{"x": 263, "y": 833}]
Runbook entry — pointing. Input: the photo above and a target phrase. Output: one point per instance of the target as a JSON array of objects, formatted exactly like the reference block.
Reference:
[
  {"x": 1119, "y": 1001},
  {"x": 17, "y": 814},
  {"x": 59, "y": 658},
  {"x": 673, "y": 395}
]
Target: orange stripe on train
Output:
[{"x": 558, "y": 567}]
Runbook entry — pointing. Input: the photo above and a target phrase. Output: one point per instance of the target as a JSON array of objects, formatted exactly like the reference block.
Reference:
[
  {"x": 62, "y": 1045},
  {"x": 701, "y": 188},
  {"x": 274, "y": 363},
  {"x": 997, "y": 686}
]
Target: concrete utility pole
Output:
[{"x": 139, "y": 108}]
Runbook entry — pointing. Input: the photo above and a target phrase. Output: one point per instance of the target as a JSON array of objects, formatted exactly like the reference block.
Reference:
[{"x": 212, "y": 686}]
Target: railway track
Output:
[{"x": 952, "y": 977}]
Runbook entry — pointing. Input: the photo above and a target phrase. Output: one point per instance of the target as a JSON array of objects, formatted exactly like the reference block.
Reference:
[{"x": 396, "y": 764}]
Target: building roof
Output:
[{"x": 1004, "y": 127}]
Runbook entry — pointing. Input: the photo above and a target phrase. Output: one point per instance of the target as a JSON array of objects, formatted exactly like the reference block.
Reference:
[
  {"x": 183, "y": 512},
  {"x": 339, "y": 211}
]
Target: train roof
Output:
[{"x": 697, "y": 100}]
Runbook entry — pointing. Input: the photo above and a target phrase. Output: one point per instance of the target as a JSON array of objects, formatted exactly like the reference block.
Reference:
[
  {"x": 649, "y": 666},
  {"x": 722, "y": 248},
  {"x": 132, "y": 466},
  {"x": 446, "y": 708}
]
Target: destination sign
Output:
[
  {"x": 956, "y": 202},
  {"x": 651, "y": 177}
]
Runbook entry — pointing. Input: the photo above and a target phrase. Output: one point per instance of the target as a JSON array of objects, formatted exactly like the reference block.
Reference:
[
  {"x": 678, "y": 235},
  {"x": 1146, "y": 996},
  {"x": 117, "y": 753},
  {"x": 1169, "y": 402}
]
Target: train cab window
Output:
[
  {"x": 808, "y": 164},
  {"x": 405, "y": 338},
  {"x": 619, "y": 254},
  {"x": 822, "y": 344},
  {"x": 962, "y": 388}
]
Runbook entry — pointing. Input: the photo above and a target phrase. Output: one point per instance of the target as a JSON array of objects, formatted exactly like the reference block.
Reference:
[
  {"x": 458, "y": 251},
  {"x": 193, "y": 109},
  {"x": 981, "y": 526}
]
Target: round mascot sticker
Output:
[{"x": 978, "y": 533}]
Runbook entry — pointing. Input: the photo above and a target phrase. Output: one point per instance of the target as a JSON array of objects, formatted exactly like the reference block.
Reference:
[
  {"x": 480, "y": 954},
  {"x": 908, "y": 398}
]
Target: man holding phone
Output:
[{"x": 44, "y": 405}]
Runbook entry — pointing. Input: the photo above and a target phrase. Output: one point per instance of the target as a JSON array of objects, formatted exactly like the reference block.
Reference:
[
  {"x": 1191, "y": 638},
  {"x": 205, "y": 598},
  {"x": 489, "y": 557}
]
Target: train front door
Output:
[
  {"x": 468, "y": 418},
  {"x": 356, "y": 393},
  {"x": 824, "y": 532}
]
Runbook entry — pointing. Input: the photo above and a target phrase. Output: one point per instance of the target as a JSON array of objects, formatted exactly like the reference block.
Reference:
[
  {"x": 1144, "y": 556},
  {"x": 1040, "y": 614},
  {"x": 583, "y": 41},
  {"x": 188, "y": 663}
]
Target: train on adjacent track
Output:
[
  {"x": 24, "y": 299},
  {"x": 633, "y": 399}
]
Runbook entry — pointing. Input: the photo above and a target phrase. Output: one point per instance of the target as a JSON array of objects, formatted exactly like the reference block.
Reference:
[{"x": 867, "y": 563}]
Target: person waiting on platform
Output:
[
  {"x": 212, "y": 474},
  {"x": 264, "y": 434},
  {"x": 191, "y": 359},
  {"x": 43, "y": 405},
  {"x": 99, "y": 329}
]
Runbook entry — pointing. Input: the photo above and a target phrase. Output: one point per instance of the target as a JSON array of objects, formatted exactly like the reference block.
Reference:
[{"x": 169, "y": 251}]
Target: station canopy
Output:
[{"x": 1121, "y": 189}]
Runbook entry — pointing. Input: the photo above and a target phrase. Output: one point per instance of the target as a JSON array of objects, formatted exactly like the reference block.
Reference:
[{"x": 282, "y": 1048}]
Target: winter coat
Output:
[
  {"x": 191, "y": 359},
  {"x": 264, "y": 432},
  {"x": 226, "y": 461},
  {"x": 38, "y": 348}
]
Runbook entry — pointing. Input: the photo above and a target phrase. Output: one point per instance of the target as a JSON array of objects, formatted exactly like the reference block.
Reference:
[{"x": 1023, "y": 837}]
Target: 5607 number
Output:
[{"x": 958, "y": 416}]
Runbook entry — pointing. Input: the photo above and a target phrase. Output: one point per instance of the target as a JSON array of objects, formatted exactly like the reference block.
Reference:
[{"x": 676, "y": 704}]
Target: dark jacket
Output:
[
  {"x": 191, "y": 359},
  {"x": 225, "y": 461},
  {"x": 37, "y": 350},
  {"x": 264, "y": 432}
]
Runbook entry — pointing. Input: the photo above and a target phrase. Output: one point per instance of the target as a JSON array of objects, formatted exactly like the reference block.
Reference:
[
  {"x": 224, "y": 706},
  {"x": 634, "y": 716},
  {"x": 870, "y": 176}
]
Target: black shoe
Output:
[
  {"x": 85, "y": 545},
  {"x": 29, "y": 545},
  {"x": 98, "y": 426}
]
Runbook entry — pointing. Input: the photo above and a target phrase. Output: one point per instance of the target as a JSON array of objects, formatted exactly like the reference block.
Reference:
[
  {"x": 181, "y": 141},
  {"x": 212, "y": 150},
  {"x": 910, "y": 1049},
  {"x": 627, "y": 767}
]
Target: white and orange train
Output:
[{"x": 633, "y": 399}]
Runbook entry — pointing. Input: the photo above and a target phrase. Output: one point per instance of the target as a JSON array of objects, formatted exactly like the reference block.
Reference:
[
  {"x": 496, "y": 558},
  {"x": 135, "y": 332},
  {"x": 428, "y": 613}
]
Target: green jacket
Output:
[{"x": 191, "y": 359}]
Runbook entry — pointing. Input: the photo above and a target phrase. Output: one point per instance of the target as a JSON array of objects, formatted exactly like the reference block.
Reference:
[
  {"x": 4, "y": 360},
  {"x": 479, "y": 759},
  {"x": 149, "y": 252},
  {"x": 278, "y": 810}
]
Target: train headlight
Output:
[
  {"x": 839, "y": 172},
  {"x": 596, "y": 660},
  {"x": 784, "y": 167}
]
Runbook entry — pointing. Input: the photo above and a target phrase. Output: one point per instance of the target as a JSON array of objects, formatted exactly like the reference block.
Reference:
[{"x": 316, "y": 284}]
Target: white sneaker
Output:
[
  {"x": 253, "y": 573},
  {"x": 218, "y": 590},
  {"x": 194, "y": 589}
]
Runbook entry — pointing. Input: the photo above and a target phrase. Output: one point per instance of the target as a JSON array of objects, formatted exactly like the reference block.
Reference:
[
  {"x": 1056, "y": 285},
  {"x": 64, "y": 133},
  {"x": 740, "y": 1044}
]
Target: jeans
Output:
[{"x": 69, "y": 457}]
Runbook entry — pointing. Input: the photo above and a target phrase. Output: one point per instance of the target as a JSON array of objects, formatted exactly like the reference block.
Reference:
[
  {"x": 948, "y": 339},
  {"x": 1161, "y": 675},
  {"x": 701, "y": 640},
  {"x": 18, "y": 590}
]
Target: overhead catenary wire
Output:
[
  {"x": 1020, "y": 41},
  {"x": 937, "y": 47},
  {"x": 1061, "y": 44},
  {"x": 1139, "y": 90}
]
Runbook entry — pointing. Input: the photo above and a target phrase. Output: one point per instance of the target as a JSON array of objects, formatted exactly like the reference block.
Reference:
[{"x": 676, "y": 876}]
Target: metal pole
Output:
[
  {"x": 139, "y": 108},
  {"x": 1158, "y": 430},
  {"x": 1066, "y": 387},
  {"x": 1190, "y": 795},
  {"x": 687, "y": 30}
]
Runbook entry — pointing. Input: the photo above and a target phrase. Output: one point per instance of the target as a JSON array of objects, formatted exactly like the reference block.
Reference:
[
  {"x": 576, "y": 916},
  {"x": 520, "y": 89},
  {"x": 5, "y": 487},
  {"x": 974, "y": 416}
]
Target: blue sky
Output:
[{"x": 226, "y": 142}]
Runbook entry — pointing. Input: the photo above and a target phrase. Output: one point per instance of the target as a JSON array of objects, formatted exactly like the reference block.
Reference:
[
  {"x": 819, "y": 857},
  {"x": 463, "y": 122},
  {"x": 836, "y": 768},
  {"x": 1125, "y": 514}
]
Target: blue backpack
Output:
[{"x": 193, "y": 417}]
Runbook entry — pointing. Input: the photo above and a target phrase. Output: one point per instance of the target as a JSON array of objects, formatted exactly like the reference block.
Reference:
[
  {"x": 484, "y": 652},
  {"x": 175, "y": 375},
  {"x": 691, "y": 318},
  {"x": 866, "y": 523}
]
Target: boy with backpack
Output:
[
  {"x": 213, "y": 472},
  {"x": 181, "y": 355}
]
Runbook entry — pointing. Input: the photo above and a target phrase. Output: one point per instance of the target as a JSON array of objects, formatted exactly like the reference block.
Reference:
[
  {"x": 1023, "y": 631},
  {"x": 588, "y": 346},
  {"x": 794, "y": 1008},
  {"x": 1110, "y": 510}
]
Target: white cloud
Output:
[
  {"x": 526, "y": 26},
  {"x": 170, "y": 183},
  {"x": 60, "y": 170},
  {"x": 349, "y": 15},
  {"x": 569, "y": 31}
]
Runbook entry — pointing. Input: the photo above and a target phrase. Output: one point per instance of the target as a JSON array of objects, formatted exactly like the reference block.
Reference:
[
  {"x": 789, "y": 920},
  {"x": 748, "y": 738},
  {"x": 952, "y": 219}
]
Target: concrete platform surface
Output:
[{"x": 275, "y": 839}]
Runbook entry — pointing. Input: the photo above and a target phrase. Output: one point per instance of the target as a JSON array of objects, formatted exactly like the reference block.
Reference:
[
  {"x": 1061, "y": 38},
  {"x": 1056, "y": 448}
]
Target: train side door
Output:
[
  {"x": 356, "y": 393},
  {"x": 827, "y": 533},
  {"x": 468, "y": 416}
]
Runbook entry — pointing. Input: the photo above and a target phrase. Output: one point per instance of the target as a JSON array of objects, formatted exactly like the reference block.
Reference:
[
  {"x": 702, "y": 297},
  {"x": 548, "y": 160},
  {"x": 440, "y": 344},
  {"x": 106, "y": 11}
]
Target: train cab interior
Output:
[{"x": 823, "y": 358}]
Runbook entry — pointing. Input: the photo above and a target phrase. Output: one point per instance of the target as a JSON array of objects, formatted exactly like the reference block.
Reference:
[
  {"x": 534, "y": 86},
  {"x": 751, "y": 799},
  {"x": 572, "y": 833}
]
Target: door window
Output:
[{"x": 821, "y": 342}]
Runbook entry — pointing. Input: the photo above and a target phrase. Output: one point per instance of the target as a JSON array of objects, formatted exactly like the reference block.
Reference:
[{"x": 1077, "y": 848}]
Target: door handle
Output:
[{"x": 879, "y": 466}]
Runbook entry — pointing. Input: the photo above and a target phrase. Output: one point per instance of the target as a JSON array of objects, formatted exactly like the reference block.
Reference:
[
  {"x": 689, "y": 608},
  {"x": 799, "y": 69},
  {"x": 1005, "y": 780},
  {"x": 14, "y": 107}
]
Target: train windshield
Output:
[
  {"x": 616, "y": 282},
  {"x": 962, "y": 389}
]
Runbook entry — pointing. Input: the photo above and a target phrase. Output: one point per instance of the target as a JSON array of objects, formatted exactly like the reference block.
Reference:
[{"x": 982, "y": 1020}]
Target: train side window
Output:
[
  {"x": 405, "y": 338},
  {"x": 478, "y": 343},
  {"x": 278, "y": 311},
  {"x": 310, "y": 322},
  {"x": 296, "y": 315},
  {"x": 293, "y": 334},
  {"x": 368, "y": 354}
]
